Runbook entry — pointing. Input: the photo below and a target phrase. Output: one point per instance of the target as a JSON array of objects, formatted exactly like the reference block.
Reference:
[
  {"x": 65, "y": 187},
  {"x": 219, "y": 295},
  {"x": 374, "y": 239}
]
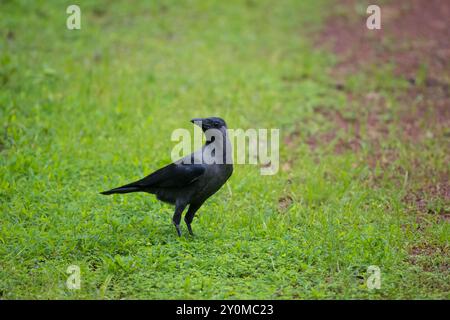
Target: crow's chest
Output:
[{"x": 214, "y": 179}]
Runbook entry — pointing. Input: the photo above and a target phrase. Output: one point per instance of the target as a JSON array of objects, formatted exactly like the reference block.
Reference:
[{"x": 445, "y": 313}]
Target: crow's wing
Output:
[{"x": 171, "y": 176}]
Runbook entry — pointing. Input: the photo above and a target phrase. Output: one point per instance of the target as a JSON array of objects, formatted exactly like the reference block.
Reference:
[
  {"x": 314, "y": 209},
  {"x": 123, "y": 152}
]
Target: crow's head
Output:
[{"x": 210, "y": 123}]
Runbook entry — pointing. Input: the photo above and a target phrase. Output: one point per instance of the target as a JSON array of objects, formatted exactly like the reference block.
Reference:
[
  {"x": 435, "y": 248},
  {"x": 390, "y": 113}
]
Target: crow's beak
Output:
[{"x": 199, "y": 122}]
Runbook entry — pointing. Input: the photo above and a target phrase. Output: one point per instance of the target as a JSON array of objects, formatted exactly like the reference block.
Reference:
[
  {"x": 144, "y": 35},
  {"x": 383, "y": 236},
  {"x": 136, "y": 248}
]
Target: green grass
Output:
[{"x": 83, "y": 111}]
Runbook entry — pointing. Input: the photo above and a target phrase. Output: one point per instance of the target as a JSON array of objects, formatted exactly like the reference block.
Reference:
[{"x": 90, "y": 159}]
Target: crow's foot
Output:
[
  {"x": 190, "y": 229},
  {"x": 177, "y": 226}
]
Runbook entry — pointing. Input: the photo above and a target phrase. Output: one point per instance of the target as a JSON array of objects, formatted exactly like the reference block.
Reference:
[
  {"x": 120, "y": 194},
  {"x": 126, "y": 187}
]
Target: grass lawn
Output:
[{"x": 82, "y": 111}]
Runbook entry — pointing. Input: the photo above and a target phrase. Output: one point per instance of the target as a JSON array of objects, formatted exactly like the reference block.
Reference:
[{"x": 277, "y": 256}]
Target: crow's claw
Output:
[
  {"x": 177, "y": 226},
  {"x": 190, "y": 229}
]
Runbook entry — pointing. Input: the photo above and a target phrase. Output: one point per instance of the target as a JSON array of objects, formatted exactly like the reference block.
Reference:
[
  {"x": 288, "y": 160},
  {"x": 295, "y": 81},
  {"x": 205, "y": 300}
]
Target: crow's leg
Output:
[
  {"x": 177, "y": 217},
  {"x": 190, "y": 216}
]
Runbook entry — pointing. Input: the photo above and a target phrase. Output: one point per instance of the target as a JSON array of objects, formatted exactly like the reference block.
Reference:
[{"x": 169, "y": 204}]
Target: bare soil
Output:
[{"x": 415, "y": 39}]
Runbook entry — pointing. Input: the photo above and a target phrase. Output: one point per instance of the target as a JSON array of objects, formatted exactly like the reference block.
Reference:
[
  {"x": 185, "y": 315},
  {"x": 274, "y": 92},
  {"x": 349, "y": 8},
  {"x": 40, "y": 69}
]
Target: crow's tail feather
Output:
[{"x": 124, "y": 189}]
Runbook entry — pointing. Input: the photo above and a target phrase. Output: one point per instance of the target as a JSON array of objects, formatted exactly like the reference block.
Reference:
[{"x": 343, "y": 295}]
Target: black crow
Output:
[{"x": 192, "y": 179}]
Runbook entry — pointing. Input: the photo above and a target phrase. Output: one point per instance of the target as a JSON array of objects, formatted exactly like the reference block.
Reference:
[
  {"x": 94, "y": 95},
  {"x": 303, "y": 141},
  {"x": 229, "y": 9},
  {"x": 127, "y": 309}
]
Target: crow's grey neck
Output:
[{"x": 220, "y": 145}]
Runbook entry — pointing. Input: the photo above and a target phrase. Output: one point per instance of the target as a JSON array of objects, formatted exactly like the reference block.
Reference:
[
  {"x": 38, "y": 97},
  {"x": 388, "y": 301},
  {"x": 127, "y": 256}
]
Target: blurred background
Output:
[{"x": 364, "y": 124}]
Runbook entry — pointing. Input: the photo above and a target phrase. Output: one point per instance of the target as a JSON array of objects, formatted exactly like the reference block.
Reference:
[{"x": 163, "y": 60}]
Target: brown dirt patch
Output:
[
  {"x": 430, "y": 257},
  {"x": 415, "y": 38},
  {"x": 415, "y": 41},
  {"x": 412, "y": 33},
  {"x": 284, "y": 203},
  {"x": 440, "y": 190}
]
